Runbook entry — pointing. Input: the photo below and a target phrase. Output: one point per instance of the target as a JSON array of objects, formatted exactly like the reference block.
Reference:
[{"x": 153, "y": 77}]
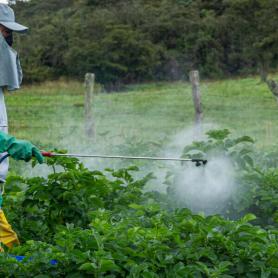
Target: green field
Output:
[{"x": 52, "y": 114}]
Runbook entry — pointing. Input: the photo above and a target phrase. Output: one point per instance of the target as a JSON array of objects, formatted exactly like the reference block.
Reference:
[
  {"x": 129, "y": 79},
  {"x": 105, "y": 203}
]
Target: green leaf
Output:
[
  {"x": 244, "y": 139},
  {"x": 249, "y": 160},
  {"x": 223, "y": 266},
  {"x": 248, "y": 217},
  {"x": 108, "y": 265},
  {"x": 218, "y": 134},
  {"x": 136, "y": 206},
  {"x": 88, "y": 267}
]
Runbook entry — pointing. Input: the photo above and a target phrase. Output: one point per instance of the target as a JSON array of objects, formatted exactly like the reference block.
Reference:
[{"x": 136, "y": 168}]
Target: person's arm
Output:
[{"x": 19, "y": 149}]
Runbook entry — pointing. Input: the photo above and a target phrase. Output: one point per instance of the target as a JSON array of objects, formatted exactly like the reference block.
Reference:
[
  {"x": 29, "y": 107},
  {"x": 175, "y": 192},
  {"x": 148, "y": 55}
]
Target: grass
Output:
[{"x": 51, "y": 114}]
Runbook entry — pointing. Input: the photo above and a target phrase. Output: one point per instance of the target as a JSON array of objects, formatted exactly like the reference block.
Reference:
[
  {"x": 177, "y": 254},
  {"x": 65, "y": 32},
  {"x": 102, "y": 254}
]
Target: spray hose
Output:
[{"x": 198, "y": 162}]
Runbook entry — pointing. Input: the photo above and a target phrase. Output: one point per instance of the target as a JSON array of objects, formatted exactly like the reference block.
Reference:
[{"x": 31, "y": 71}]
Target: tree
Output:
[{"x": 135, "y": 40}]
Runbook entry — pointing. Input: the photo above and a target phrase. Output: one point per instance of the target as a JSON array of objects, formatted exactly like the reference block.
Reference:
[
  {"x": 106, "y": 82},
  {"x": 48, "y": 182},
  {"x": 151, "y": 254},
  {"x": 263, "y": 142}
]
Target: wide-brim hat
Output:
[{"x": 7, "y": 19}]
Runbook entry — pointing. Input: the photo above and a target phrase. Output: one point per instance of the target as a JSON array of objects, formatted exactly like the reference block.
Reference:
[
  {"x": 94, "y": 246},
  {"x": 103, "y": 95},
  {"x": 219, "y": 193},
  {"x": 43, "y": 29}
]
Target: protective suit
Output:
[{"x": 10, "y": 78}]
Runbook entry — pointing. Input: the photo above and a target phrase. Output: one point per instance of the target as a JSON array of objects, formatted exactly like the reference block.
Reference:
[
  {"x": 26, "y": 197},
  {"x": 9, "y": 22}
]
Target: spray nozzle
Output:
[{"x": 200, "y": 162}]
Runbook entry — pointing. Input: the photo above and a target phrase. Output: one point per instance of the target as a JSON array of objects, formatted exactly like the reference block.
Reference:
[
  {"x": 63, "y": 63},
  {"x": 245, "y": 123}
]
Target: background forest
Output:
[{"x": 128, "y": 41}]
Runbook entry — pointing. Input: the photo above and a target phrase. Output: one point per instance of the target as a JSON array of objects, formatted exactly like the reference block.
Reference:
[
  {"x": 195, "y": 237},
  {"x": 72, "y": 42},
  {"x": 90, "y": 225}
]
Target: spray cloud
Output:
[{"x": 202, "y": 189}]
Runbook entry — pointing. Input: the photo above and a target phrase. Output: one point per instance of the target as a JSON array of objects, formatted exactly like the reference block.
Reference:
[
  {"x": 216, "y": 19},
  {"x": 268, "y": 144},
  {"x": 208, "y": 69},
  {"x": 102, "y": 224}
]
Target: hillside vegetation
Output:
[{"x": 127, "y": 41}]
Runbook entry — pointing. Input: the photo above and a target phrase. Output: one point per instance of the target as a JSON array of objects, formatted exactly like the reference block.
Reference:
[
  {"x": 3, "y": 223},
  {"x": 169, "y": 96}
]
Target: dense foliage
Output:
[
  {"x": 256, "y": 173},
  {"x": 130, "y": 41},
  {"x": 104, "y": 224}
]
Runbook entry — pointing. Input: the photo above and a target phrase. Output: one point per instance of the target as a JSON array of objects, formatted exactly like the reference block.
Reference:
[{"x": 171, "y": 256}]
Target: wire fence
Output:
[{"x": 169, "y": 108}]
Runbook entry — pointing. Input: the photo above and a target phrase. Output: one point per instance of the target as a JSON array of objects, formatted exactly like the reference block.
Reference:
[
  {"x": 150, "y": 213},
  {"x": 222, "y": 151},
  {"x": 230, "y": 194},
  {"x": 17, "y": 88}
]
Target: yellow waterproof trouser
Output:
[{"x": 7, "y": 235}]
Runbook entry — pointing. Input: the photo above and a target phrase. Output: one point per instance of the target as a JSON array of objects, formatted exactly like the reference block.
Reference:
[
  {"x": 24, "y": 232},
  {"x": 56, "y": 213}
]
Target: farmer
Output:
[{"x": 10, "y": 79}]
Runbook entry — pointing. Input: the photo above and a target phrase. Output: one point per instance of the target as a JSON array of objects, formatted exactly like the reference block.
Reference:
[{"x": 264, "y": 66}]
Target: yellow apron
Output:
[{"x": 7, "y": 235}]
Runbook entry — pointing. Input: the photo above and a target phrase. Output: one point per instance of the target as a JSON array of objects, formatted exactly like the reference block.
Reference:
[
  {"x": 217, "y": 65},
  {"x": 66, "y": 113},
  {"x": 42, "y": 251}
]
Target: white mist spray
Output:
[
  {"x": 207, "y": 188},
  {"x": 202, "y": 189}
]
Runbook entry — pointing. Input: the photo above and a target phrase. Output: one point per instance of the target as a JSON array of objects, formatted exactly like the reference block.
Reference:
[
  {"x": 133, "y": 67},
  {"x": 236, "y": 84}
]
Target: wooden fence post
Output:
[
  {"x": 89, "y": 93},
  {"x": 273, "y": 86},
  {"x": 196, "y": 94}
]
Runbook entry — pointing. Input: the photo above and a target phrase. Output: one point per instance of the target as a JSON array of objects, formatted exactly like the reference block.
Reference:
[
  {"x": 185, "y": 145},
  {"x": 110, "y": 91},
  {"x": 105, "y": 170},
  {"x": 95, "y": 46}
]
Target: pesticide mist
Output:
[
  {"x": 202, "y": 189},
  {"x": 206, "y": 188}
]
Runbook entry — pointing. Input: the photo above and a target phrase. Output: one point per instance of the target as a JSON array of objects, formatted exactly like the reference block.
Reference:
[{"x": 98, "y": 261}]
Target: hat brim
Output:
[{"x": 14, "y": 26}]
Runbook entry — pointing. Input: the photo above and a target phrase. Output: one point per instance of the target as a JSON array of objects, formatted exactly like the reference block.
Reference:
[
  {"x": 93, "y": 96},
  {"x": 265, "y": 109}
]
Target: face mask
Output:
[
  {"x": 10, "y": 39},
  {"x": 10, "y": 69}
]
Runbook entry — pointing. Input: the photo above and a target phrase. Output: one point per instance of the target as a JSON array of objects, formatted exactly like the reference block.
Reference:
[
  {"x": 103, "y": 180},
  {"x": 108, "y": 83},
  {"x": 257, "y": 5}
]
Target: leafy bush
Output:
[
  {"x": 219, "y": 143},
  {"x": 149, "y": 242},
  {"x": 104, "y": 224},
  {"x": 68, "y": 197}
]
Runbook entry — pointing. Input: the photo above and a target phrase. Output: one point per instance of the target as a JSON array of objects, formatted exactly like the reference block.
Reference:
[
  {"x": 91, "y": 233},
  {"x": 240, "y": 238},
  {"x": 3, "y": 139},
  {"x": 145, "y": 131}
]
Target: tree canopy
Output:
[{"x": 125, "y": 41}]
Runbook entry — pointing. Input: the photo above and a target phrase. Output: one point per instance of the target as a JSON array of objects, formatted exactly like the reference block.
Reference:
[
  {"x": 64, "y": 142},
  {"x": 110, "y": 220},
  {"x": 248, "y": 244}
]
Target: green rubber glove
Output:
[
  {"x": 1, "y": 200},
  {"x": 19, "y": 149}
]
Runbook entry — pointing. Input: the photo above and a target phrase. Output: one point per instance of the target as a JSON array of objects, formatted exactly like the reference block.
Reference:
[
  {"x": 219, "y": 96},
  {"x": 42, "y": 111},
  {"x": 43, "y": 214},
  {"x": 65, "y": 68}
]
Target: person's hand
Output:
[{"x": 24, "y": 150}]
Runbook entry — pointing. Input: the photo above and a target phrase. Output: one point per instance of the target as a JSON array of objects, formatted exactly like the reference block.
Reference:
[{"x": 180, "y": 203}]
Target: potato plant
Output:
[{"x": 105, "y": 224}]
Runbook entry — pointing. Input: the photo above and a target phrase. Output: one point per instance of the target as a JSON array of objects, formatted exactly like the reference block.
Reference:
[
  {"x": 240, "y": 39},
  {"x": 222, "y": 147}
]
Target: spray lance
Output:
[{"x": 198, "y": 162}]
